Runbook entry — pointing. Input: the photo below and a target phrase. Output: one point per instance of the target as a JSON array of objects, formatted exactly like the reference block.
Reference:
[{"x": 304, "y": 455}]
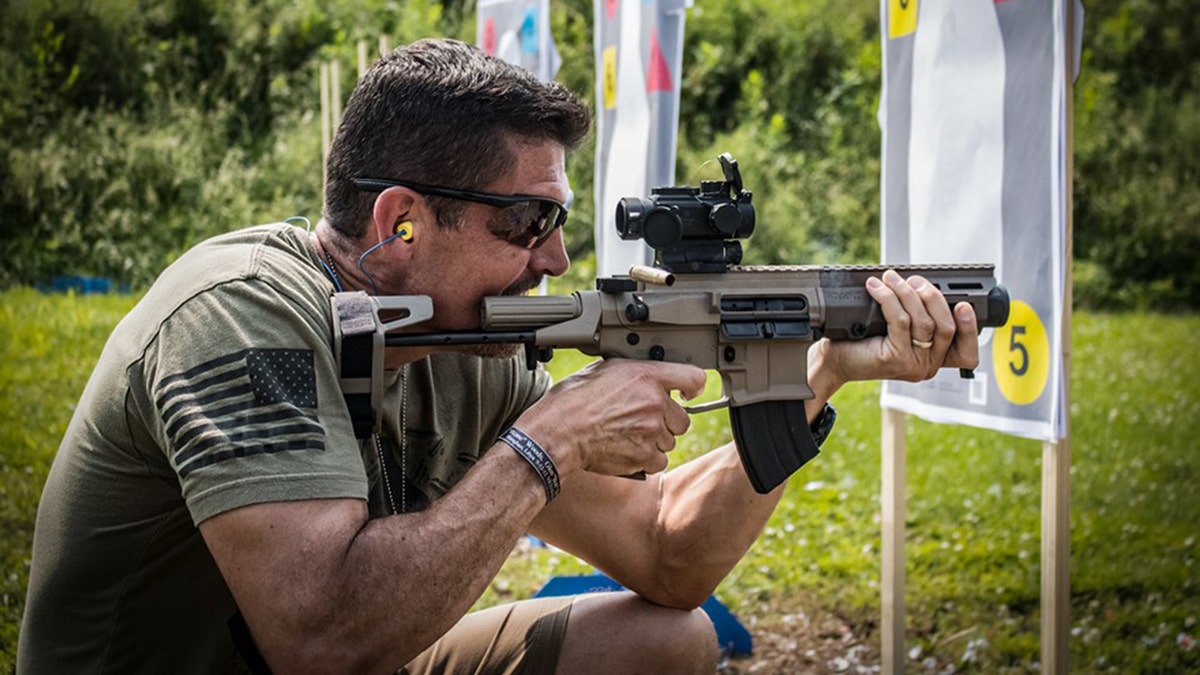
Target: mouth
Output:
[{"x": 523, "y": 285}]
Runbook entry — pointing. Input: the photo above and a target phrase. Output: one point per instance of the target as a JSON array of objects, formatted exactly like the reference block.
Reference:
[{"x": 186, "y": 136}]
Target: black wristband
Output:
[
  {"x": 537, "y": 457},
  {"x": 821, "y": 426}
]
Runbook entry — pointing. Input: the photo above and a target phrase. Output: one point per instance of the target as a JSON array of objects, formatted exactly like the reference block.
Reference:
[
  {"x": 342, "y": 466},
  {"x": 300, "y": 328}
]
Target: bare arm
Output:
[
  {"x": 323, "y": 588},
  {"x": 674, "y": 537}
]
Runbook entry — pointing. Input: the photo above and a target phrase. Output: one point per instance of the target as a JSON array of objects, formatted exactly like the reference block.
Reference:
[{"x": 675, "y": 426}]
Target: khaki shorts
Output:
[{"x": 523, "y": 637}]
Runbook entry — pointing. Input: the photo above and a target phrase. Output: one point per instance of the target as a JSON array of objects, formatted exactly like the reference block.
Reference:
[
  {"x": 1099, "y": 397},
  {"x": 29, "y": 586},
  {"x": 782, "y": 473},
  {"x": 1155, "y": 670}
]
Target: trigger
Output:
[{"x": 722, "y": 402}]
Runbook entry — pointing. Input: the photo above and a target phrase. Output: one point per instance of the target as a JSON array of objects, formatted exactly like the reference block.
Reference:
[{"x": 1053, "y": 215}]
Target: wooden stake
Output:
[
  {"x": 1056, "y": 556},
  {"x": 892, "y": 505},
  {"x": 1056, "y": 457},
  {"x": 335, "y": 94},
  {"x": 325, "y": 125}
]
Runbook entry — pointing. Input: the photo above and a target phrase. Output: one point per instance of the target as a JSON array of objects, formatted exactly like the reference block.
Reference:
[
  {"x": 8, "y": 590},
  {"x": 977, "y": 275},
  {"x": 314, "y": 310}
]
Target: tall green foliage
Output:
[
  {"x": 1137, "y": 154},
  {"x": 793, "y": 94},
  {"x": 132, "y": 130},
  {"x": 129, "y": 130}
]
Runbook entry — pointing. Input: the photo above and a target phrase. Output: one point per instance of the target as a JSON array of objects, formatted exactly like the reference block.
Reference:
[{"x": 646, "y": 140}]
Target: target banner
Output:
[
  {"x": 518, "y": 31},
  {"x": 639, "y": 54},
  {"x": 974, "y": 143}
]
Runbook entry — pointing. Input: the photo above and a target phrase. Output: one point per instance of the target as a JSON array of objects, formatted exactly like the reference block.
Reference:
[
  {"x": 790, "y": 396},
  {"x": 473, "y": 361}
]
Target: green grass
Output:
[
  {"x": 972, "y": 510},
  {"x": 48, "y": 345}
]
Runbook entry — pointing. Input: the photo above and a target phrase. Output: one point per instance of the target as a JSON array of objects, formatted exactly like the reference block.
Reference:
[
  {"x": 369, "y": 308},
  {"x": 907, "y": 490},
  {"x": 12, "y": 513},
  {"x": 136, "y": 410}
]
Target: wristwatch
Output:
[{"x": 821, "y": 426}]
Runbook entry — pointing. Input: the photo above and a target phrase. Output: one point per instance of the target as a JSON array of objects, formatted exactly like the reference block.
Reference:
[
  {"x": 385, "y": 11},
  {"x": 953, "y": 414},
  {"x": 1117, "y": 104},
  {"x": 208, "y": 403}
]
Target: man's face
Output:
[{"x": 471, "y": 261}]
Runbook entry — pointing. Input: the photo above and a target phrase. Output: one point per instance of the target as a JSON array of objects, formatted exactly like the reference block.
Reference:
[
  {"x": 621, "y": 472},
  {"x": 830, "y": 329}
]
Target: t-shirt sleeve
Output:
[
  {"x": 527, "y": 387},
  {"x": 244, "y": 399}
]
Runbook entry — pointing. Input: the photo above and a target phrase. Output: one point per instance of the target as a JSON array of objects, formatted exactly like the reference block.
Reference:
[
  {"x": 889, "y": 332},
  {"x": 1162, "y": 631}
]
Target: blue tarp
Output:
[{"x": 731, "y": 634}]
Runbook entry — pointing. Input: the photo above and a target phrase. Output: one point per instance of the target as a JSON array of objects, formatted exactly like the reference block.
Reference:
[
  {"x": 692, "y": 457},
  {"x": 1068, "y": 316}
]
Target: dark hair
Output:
[{"x": 441, "y": 112}]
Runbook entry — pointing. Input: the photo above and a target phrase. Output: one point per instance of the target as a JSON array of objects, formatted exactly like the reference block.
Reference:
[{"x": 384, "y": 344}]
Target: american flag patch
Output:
[{"x": 257, "y": 401}]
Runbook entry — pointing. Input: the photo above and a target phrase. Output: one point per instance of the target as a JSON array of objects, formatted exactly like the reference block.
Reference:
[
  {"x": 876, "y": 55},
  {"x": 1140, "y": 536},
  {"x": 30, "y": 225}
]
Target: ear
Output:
[{"x": 394, "y": 206}]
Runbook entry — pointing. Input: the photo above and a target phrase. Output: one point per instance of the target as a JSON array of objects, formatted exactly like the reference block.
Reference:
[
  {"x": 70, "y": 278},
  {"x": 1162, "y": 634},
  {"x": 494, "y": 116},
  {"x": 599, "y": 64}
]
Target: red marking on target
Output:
[
  {"x": 489, "y": 37},
  {"x": 658, "y": 76},
  {"x": 610, "y": 8}
]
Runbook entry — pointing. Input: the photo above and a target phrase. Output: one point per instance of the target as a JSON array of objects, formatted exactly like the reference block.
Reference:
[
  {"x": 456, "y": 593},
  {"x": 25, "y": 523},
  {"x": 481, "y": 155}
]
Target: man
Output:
[{"x": 210, "y": 510}]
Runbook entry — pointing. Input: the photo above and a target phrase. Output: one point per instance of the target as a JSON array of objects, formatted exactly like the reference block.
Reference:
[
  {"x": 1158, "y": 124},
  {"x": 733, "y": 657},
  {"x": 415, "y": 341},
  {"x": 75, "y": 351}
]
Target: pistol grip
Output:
[{"x": 773, "y": 440}]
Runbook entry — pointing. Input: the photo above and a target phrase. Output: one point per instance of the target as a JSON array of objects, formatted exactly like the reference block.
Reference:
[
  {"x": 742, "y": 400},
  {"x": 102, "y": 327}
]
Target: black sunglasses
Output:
[{"x": 528, "y": 220}]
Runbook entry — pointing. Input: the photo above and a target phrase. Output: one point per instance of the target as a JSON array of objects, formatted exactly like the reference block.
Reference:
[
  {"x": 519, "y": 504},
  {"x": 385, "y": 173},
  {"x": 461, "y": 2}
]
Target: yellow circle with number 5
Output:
[{"x": 1021, "y": 355}]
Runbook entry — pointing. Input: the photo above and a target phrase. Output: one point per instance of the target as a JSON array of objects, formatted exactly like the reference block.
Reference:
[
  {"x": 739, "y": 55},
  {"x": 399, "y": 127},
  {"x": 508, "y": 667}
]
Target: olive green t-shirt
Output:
[{"x": 219, "y": 390}]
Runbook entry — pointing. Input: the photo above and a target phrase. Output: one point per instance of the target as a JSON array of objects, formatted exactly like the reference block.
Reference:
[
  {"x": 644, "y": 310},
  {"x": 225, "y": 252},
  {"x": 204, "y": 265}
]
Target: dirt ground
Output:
[{"x": 808, "y": 640}]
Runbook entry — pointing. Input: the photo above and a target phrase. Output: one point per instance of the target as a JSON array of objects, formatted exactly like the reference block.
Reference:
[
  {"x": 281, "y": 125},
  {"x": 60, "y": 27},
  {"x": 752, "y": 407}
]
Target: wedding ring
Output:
[{"x": 922, "y": 344}]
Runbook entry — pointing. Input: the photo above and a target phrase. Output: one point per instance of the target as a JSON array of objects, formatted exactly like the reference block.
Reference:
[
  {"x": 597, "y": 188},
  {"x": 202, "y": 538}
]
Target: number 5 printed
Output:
[
  {"x": 1015, "y": 346},
  {"x": 1021, "y": 355}
]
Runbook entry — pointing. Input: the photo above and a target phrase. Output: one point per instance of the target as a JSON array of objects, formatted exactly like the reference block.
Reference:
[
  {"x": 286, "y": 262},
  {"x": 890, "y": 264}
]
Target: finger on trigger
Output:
[{"x": 687, "y": 379}]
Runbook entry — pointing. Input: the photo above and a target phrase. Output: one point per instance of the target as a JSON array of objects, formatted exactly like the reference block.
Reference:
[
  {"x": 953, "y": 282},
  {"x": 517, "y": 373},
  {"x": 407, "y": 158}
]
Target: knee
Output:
[
  {"x": 620, "y": 632},
  {"x": 696, "y": 649},
  {"x": 683, "y": 641}
]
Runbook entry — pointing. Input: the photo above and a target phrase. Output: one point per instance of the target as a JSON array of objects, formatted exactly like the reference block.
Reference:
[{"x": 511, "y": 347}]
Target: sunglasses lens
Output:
[
  {"x": 552, "y": 216},
  {"x": 528, "y": 223}
]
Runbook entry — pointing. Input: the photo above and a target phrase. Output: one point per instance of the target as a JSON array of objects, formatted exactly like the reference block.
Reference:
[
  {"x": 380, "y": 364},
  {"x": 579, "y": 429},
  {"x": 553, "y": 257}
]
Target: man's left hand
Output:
[{"x": 923, "y": 336}]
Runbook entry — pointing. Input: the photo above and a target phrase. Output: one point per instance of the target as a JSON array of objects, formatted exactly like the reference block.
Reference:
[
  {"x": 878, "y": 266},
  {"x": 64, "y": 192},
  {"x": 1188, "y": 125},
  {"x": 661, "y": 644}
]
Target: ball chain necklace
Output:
[{"x": 387, "y": 483}]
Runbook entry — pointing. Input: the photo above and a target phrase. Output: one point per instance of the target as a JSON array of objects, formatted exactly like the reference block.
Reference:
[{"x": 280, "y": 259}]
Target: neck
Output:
[{"x": 342, "y": 256}]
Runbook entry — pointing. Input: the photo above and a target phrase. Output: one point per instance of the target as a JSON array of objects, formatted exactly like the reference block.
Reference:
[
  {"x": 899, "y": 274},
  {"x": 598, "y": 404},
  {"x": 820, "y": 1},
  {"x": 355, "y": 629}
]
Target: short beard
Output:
[
  {"x": 492, "y": 350},
  {"x": 521, "y": 286}
]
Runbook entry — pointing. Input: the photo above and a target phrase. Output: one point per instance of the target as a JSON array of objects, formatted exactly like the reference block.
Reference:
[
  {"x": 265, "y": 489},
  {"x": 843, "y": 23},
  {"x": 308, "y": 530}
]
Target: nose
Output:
[{"x": 550, "y": 259}]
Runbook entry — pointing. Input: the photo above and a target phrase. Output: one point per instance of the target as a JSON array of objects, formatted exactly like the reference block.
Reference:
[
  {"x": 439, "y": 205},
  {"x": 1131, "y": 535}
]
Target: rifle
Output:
[{"x": 697, "y": 305}]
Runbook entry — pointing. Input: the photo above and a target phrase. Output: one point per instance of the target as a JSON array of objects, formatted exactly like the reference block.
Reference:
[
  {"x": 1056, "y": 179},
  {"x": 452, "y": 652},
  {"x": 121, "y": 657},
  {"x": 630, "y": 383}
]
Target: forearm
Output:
[
  {"x": 438, "y": 562},
  {"x": 708, "y": 518},
  {"x": 710, "y": 514},
  {"x": 365, "y": 596}
]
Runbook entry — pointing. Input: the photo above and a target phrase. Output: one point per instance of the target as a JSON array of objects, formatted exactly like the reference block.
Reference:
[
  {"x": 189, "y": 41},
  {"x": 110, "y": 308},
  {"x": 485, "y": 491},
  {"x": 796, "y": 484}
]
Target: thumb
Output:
[{"x": 966, "y": 337}]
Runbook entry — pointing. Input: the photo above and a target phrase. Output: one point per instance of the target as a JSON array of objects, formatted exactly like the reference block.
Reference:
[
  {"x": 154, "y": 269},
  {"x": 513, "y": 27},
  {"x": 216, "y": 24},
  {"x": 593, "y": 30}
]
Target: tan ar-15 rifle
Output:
[{"x": 753, "y": 325}]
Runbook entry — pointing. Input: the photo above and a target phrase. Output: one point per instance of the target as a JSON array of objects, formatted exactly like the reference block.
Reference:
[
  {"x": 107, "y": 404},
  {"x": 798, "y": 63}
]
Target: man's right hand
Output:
[{"x": 614, "y": 417}]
